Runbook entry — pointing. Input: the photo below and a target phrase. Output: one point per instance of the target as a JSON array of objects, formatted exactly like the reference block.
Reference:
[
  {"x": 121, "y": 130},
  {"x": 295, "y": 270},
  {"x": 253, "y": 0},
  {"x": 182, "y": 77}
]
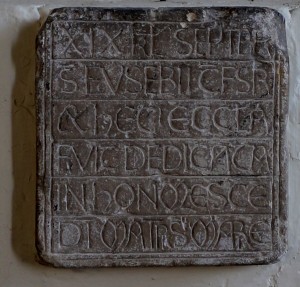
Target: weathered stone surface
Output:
[{"x": 161, "y": 137}]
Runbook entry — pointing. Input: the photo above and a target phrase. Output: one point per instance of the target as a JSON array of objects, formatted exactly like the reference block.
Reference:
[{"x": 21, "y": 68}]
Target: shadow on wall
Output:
[{"x": 23, "y": 144}]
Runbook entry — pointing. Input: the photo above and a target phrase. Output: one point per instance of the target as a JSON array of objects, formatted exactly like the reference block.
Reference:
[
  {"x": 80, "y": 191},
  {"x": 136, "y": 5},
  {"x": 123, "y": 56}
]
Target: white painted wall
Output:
[{"x": 19, "y": 23}]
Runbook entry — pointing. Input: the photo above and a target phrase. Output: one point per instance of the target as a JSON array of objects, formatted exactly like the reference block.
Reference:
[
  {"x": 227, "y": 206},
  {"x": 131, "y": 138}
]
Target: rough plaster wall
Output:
[{"x": 19, "y": 23}]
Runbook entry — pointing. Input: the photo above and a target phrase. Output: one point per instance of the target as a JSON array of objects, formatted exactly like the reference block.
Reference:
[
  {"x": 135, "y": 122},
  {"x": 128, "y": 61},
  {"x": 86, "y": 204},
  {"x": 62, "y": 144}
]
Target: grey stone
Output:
[{"x": 161, "y": 137}]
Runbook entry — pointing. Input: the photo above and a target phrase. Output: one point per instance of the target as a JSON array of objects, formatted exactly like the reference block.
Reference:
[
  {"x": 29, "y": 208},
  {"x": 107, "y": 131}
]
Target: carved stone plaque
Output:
[{"x": 161, "y": 137}]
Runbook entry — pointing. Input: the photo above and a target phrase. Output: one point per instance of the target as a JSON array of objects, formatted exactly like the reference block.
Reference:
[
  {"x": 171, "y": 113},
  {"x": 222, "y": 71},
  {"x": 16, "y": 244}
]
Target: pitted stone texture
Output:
[{"x": 161, "y": 137}]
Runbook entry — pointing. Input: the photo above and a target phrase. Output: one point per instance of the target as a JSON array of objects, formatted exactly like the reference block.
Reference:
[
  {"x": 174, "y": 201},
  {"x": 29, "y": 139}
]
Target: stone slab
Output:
[{"x": 161, "y": 137}]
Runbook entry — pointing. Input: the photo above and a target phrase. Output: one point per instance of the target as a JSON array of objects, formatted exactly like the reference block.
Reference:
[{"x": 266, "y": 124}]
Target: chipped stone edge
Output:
[{"x": 46, "y": 258}]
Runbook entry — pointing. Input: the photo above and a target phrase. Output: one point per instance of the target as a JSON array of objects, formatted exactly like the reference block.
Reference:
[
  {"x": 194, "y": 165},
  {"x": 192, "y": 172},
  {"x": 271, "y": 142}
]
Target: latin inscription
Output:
[
  {"x": 162, "y": 135},
  {"x": 165, "y": 119},
  {"x": 114, "y": 40},
  {"x": 163, "y": 79},
  {"x": 110, "y": 196},
  {"x": 163, "y": 157},
  {"x": 151, "y": 234}
]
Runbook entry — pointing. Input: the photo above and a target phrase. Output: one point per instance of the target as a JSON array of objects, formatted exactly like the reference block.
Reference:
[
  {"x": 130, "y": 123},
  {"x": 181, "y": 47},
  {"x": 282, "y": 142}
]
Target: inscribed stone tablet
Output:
[{"x": 161, "y": 137}]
